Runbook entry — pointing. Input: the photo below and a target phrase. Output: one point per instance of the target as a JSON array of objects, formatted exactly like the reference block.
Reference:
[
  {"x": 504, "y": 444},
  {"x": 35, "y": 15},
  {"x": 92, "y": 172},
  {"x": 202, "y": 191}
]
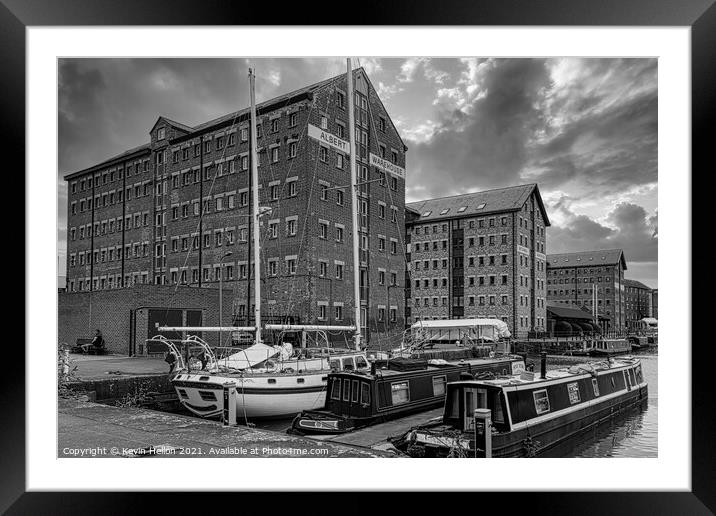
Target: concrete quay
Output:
[{"x": 87, "y": 429}]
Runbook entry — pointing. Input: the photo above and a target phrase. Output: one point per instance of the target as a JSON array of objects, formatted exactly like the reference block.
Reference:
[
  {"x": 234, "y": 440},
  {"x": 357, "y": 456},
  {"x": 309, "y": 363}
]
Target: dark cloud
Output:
[
  {"x": 628, "y": 227},
  {"x": 486, "y": 146}
]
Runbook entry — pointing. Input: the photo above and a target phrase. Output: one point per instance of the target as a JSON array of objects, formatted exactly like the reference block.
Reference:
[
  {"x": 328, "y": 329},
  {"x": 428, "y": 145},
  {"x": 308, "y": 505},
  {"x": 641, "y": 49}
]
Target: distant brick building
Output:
[
  {"x": 638, "y": 302},
  {"x": 169, "y": 211},
  {"x": 572, "y": 278},
  {"x": 479, "y": 255}
]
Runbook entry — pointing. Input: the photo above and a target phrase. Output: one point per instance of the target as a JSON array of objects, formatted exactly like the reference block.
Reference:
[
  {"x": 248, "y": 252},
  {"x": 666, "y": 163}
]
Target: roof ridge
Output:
[{"x": 473, "y": 193}]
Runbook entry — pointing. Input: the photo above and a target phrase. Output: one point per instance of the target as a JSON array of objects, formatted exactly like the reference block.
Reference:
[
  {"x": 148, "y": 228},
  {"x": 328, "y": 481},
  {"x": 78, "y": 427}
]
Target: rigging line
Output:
[
  {"x": 290, "y": 303},
  {"x": 400, "y": 233},
  {"x": 201, "y": 204}
]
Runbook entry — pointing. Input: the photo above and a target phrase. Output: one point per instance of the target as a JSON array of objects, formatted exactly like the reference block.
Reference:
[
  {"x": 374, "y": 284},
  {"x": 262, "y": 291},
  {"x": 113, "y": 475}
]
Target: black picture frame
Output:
[{"x": 700, "y": 15}]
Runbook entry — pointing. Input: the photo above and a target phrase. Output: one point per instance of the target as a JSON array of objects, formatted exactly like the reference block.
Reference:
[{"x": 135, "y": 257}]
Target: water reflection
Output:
[{"x": 633, "y": 434}]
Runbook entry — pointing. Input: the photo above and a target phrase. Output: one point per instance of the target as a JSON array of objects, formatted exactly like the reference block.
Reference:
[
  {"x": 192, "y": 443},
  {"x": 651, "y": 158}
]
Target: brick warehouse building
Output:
[
  {"x": 638, "y": 302},
  {"x": 479, "y": 255},
  {"x": 167, "y": 212},
  {"x": 572, "y": 277}
]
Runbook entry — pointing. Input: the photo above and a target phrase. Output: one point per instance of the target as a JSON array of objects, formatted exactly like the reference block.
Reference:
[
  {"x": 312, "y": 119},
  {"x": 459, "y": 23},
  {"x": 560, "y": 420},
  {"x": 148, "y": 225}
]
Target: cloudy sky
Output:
[{"x": 585, "y": 130}]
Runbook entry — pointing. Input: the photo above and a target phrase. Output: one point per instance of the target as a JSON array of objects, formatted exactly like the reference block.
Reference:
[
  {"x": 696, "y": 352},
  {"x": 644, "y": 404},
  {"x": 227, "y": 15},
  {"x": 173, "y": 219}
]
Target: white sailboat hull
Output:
[{"x": 259, "y": 396}]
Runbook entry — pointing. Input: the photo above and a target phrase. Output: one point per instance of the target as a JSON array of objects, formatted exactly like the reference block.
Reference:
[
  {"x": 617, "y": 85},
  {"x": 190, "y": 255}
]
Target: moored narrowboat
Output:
[
  {"x": 396, "y": 388},
  {"x": 609, "y": 347},
  {"x": 529, "y": 413}
]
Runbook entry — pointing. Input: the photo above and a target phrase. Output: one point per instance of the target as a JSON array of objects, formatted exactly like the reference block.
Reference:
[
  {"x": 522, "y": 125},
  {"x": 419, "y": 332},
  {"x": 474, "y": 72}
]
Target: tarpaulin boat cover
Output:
[
  {"x": 256, "y": 354},
  {"x": 484, "y": 327}
]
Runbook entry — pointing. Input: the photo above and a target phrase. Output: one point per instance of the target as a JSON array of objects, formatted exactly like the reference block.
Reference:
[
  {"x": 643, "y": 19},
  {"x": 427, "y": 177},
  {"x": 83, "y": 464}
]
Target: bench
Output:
[{"x": 85, "y": 346}]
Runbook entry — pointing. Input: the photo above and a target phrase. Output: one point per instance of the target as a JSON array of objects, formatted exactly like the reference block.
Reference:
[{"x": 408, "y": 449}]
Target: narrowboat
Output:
[
  {"x": 609, "y": 347},
  {"x": 529, "y": 413},
  {"x": 394, "y": 389}
]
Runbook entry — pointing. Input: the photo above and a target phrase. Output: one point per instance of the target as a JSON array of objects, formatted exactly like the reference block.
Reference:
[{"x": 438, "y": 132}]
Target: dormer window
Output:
[
  {"x": 160, "y": 133},
  {"x": 427, "y": 213},
  {"x": 461, "y": 209},
  {"x": 444, "y": 211},
  {"x": 481, "y": 206}
]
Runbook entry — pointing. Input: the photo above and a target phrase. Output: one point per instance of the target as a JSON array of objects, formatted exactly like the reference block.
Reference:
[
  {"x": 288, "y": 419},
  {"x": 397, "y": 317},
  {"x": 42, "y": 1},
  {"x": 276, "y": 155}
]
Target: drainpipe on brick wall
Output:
[
  {"x": 124, "y": 214},
  {"x": 201, "y": 202}
]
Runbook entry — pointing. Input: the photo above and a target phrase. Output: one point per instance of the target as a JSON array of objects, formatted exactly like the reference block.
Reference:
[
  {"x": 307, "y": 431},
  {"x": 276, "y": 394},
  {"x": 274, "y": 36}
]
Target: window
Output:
[
  {"x": 541, "y": 401},
  {"x": 274, "y": 155},
  {"x": 346, "y": 390},
  {"x": 365, "y": 393},
  {"x": 322, "y": 312},
  {"x": 595, "y": 387},
  {"x": 439, "y": 383},
  {"x": 339, "y": 197},
  {"x": 336, "y": 389},
  {"x": 338, "y": 312},
  {"x": 339, "y": 271},
  {"x": 324, "y": 122},
  {"x": 291, "y": 227},
  {"x": 160, "y": 133},
  {"x": 381, "y": 124},
  {"x": 293, "y": 119},
  {"x": 323, "y": 154},
  {"x": 292, "y": 149},
  {"x": 400, "y": 393}
]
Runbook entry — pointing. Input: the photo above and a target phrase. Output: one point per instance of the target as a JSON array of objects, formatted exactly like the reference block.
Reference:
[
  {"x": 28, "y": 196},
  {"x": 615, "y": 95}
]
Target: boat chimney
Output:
[
  {"x": 543, "y": 365},
  {"x": 372, "y": 368}
]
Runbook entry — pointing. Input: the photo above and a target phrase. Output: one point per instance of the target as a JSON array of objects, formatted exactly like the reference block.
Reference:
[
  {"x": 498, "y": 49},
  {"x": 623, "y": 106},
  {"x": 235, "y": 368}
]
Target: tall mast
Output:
[
  {"x": 354, "y": 203},
  {"x": 255, "y": 212}
]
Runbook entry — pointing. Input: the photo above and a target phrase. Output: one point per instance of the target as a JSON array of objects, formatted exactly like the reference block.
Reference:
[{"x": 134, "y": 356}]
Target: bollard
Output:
[
  {"x": 543, "y": 359},
  {"x": 483, "y": 419},
  {"x": 229, "y": 413}
]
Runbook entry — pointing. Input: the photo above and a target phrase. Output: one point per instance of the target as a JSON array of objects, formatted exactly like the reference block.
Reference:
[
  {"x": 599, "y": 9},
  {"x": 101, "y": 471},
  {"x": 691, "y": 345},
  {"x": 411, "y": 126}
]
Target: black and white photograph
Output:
[
  {"x": 427, "y": 254},
  {"x": 358, "y": 257}
]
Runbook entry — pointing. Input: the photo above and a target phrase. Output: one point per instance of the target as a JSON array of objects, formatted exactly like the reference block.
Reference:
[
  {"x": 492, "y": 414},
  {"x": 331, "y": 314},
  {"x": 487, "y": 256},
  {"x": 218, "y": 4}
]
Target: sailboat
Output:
[{"x": 279, "y": 380}]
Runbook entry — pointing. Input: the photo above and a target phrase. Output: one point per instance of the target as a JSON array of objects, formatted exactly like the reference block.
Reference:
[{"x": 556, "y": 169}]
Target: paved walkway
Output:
[
  {"x": 94, "y": 430},
  {"x": 93, "y": 367}
]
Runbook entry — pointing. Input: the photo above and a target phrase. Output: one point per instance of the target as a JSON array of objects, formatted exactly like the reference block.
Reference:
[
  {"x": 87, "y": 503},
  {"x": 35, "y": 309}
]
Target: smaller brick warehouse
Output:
[
  {"x": 572, "y": 278},
  {"x": 638, "y": 302},
  {"x": 479, "y": 255}
]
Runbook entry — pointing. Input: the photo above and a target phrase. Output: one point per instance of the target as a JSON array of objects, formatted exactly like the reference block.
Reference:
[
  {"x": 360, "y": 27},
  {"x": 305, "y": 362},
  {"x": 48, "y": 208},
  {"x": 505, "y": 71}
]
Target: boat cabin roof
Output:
[{"x": 554, "y": 374}]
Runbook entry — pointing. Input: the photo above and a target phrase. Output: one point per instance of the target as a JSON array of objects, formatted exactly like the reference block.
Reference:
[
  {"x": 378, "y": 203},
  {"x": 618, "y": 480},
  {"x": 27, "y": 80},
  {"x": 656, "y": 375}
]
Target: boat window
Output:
[
  {"x": 639, "y": 378},
  {"x": 361, "y": 362},
  {"x": 627, "y": 380},
  {"x": 346, "y": 390},
  {"x": 354, "y": 397},
  {"x": 541, "y": 401},
  {"x": 207, "y": 395},
  {"x": 335, "y": 365},
  {"x": 365, "y": 393},
  {"x": 336, "y": 389},
  {"x": 573, "y": 391},
  {"x": 452, "y": 404},
  {"x": 400, "y": 392},
  {"x": 498, "y": 416},
  {"x": 439, "y": 383},
  {"x": 348, "y": 364},
  {"x": 595, "y": 387}
]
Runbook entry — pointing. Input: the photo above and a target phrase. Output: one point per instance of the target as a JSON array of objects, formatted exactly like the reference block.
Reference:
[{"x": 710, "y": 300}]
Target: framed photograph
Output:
[{"x": 507, "y": 166}]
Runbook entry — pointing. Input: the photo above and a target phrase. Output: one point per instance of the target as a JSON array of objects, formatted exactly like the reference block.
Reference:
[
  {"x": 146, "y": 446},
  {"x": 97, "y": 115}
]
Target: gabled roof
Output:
[
  {"x": 169, "y": 121},
  {"x": 140, "y": 149},
  {"x": 587, "y": 258},
  {"x": 635, "y": 284},
  {"x": 477, "y": 203},
  {"x": 224, "y": 119}
]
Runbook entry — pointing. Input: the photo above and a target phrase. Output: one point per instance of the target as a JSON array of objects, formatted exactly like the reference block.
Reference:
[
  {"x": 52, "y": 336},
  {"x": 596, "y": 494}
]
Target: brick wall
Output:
[{"x": 81, "y": 313}]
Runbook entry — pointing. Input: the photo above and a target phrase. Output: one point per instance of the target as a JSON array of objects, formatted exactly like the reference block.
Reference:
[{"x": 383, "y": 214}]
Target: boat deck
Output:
[{"x": 376, "y": 436}]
